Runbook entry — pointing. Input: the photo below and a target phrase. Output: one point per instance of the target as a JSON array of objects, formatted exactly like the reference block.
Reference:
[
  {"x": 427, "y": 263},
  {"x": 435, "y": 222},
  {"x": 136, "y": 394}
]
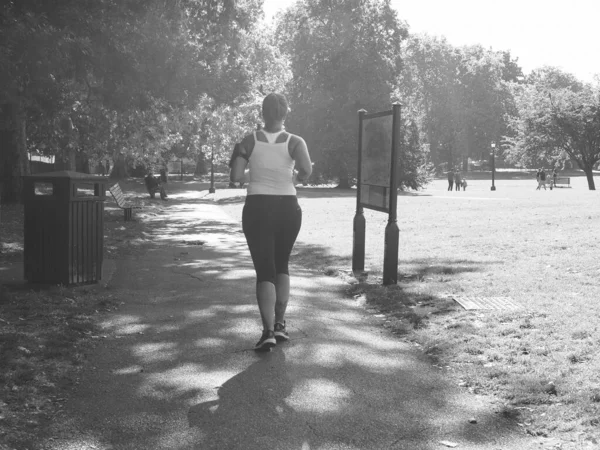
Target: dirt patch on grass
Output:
[{"x": 44, "y": 339}]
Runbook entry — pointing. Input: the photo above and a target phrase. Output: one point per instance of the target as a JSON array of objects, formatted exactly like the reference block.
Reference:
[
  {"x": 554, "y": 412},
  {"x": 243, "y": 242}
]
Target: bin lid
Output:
[{"x": 67, "y": 174}]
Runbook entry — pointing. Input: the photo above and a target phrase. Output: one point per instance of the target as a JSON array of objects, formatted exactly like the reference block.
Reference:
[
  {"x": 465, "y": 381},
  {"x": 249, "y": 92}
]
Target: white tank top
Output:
[{"x": 271, "y": 167}]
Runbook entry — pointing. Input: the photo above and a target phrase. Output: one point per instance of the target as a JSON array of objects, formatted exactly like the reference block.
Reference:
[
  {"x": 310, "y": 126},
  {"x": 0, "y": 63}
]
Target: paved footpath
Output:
[{"x": 176, "y": 370}]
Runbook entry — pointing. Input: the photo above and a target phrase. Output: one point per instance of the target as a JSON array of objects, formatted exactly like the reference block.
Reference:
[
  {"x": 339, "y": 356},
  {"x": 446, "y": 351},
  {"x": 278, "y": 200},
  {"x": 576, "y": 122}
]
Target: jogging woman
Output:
[{"x": 272, "y": 217}]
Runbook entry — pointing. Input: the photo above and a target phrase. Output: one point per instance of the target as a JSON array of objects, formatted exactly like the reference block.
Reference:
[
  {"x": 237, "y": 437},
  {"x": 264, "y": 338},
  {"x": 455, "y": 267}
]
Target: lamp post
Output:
[
  {"x": 211, "y": 190},
  {"x": 493, "y": 154}
]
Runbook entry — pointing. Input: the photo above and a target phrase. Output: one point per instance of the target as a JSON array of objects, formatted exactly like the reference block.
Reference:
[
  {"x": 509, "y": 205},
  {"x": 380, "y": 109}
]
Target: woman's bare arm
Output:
[
  {"x": 239, "y": 160},
  {"x": 238, "y": 164},
  {"x": 302, "y": 157},
  {"x": 238, "y": 170}
]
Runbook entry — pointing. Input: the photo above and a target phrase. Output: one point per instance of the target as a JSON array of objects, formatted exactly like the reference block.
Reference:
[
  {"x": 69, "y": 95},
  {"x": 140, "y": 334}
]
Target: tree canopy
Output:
[
  {"x": 458, "y": 96},
  {"x": 115, "y": 79},
  {"x": 140, "y": 82},
  {"x": 558, "y": 118},
  {"x": 344, "y": 57}
]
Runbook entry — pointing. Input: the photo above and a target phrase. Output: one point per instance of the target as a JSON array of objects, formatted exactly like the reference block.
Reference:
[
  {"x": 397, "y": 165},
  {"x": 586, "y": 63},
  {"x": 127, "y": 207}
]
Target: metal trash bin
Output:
[{"x": 63, "y": 227}]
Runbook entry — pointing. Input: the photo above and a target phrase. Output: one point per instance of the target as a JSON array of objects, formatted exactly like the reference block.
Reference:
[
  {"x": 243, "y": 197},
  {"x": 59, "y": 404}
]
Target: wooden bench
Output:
[
  {"x": 562, "y": 180},
  {"x": 127, "y": 208}
]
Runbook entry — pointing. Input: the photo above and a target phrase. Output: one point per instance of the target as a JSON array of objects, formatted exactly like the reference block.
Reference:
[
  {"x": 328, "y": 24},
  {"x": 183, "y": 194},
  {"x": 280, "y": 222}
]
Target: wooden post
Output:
[
  {"x": 359, "y": 226},
  {"x": 390, "y": 252},
  {"x": 211, "y": 190}
]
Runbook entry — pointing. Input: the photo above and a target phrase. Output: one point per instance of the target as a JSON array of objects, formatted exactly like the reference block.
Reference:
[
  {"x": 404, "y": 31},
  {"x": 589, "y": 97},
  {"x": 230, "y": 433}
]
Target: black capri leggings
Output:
[{"x": 271, "y": 225}]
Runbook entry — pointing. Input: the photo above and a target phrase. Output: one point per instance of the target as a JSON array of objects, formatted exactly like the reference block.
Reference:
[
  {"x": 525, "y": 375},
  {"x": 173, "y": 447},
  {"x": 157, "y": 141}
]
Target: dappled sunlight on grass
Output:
[{"x": 120, "y": 322}]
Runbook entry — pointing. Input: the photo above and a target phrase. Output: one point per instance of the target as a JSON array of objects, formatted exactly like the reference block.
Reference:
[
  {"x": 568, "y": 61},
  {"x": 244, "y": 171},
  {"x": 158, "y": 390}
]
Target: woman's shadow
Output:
[{"x": 251, "y": 411}]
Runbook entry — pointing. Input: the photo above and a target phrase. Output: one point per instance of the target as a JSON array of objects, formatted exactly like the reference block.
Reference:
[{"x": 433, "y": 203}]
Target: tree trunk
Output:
[
  {"x": 344, "y": 181},
  {"x": 68, "y": 150},
  {"x": 201, "y": 168},
  {"x": 589, "y": 173},
  {"x": 13, "y": 152},
  {"x": 119, "y": 170},
  {"x": 343, "y": 184},
  {"x": 83, "y": 162},
  {"x": 343, "y": 177}
]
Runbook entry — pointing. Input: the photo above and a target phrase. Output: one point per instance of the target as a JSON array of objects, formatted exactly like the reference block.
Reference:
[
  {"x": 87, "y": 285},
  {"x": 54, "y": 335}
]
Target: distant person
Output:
[
  {"x": 457, "y": 180},
  {"x": 271, "y": 218},
  {"x": 543, "y": 178},
  {"x": 554, "y": 177},
  {"x": 537, "y": 178},
  {"x": 163, "y": 176},
  {"x": 463, "y": 183},
  {"x": 153, "y": 186},
  {"x": 450, "y": 179}
]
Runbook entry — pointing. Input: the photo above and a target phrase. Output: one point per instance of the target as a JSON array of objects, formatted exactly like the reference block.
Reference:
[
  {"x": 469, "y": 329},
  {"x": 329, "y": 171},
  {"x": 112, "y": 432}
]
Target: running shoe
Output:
[
  {"x": 267, "y": 340},
  {"x": 281, "y": 333}
]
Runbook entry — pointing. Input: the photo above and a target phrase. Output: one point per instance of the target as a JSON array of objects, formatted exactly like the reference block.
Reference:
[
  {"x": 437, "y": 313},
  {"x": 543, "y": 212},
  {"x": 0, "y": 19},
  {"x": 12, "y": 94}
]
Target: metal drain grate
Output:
[{"x": 487, "y": 302}]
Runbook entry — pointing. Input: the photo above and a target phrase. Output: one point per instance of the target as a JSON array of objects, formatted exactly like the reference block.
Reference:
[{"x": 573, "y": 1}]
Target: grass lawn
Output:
[{"x": 538, "y": 247}]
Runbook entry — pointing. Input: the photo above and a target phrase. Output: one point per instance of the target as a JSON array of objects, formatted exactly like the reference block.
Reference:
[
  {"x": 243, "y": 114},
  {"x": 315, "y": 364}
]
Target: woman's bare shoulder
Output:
[{"x": 296, "y": 140}]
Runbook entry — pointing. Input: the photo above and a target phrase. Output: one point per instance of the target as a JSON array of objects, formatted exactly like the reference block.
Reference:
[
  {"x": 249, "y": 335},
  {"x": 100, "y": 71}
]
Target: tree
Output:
[
  {"x": 34, "y": 59},
  {"x": 181, "y": 51},
  {"x": 485, "y": 97},
  {"x": 111, "y": 68},
  {"x": 414, "y": 169},
  {"x": 429, "y": 87},
  {"x": 345, "y": 56},
  {"x": 267, "y": 70},
  {"x": 457, "y": 96},
  {"x": 558, "y": 116}
]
